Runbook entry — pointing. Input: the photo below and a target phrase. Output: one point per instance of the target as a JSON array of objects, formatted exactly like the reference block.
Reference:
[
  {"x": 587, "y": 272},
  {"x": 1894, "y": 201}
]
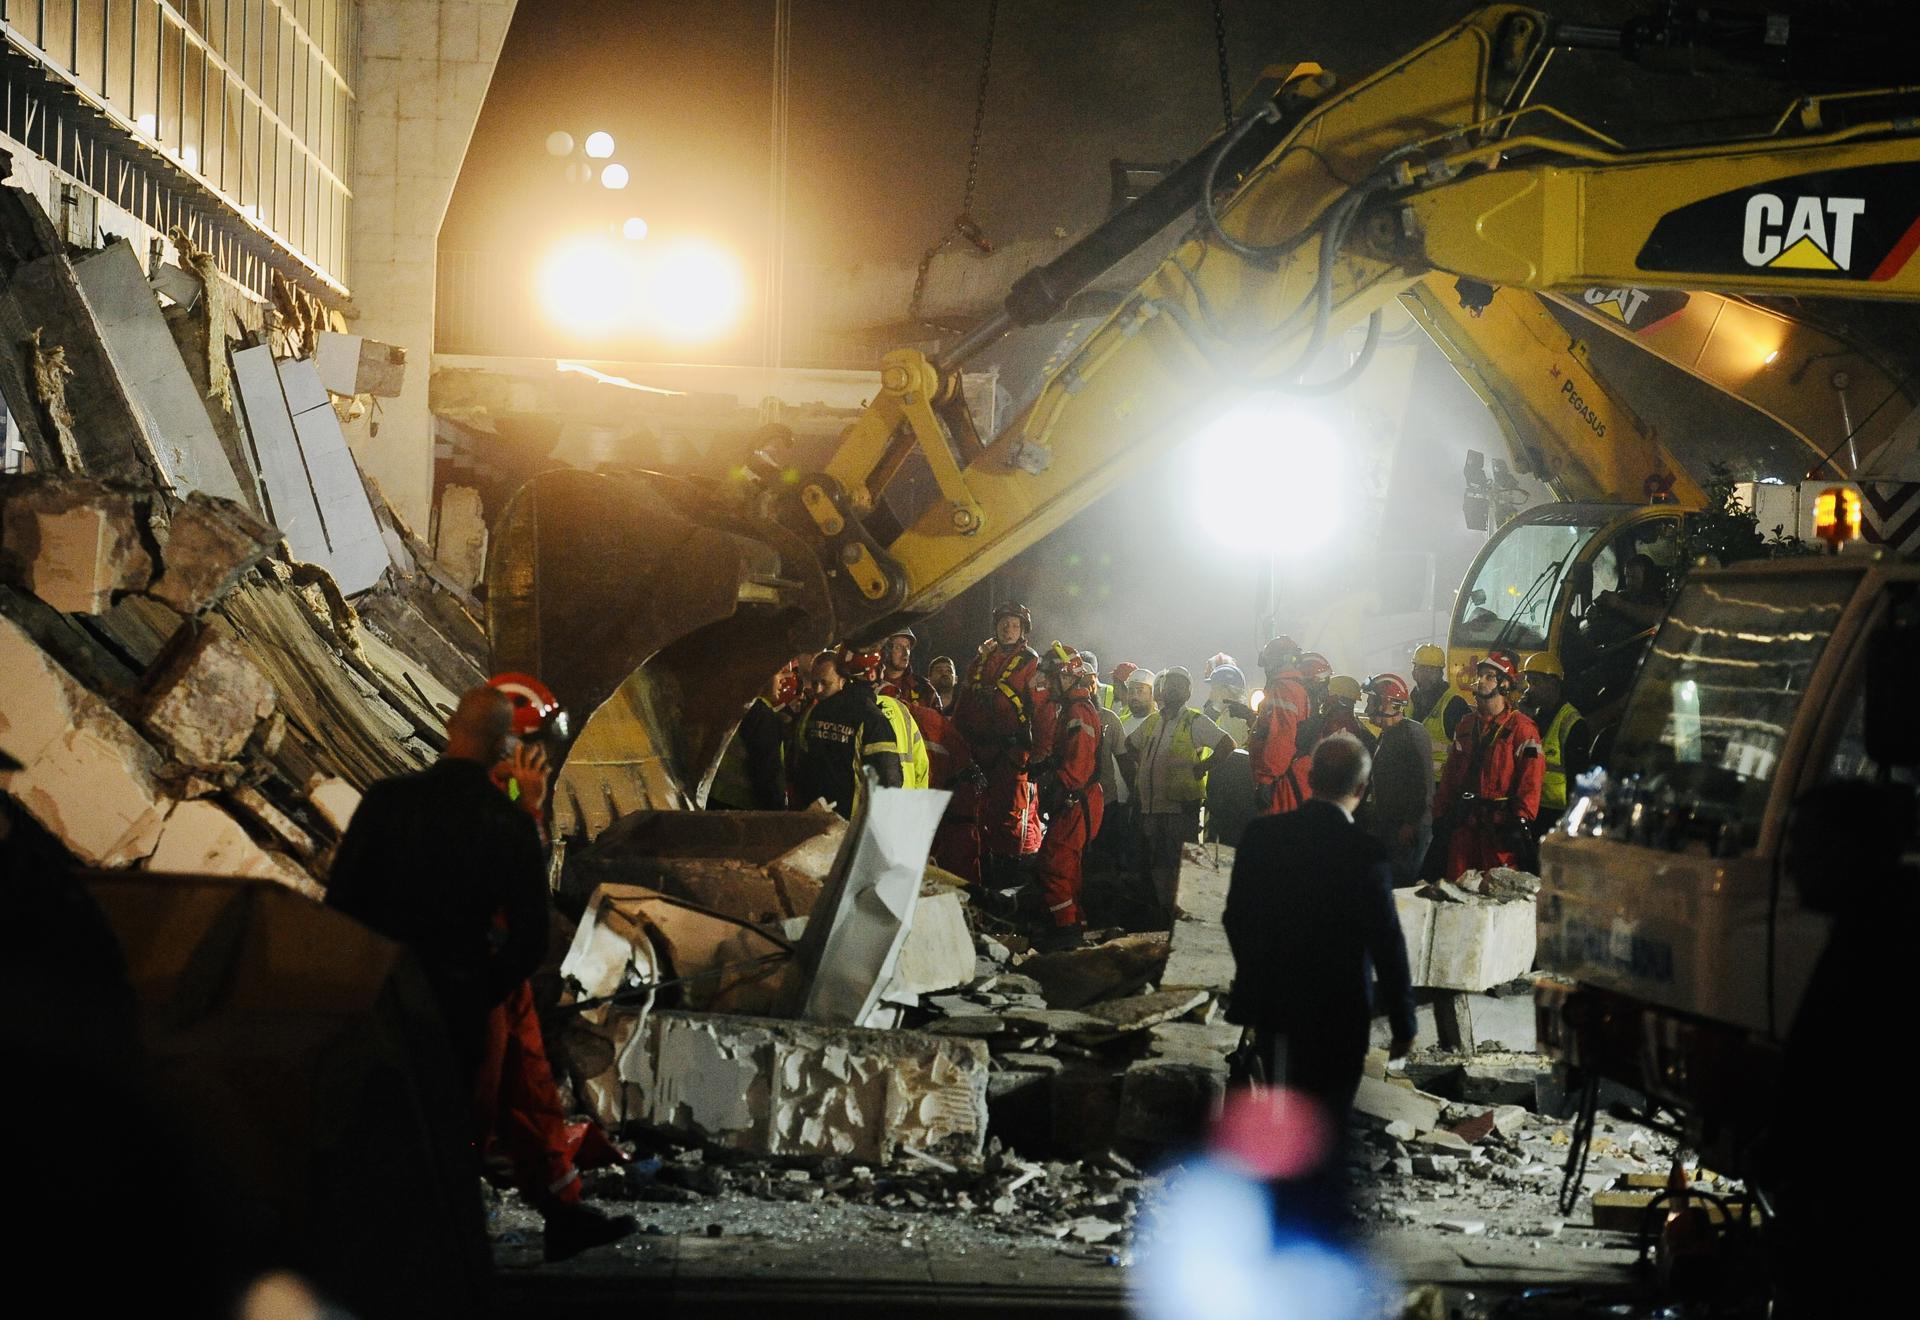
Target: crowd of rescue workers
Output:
[{"x": 1074, "y": 790}]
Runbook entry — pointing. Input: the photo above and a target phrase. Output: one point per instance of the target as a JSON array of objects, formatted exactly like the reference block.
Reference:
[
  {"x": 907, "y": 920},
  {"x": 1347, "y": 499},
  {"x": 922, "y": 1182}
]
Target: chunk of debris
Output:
[
  {"x": 206, "y": 695},
  {"x": 76, "y": 543},
  {"x": 1385, "y": 1102},
  {"x": 253, "y": 804},
  {"x": 87, "y": 776},
  {"x": 199, "y": 838},
  {"x": 335, "y": 799},
  {"x": 1077, "y": 977},
  {"x": 1170, "y": 1101},
  {"x": 1462, "y": 942},
  {"x": 761, "y": 866},
  {"x": 1467, "y": 1227},
  {"x": 1140, "y": 1012},
  {"x": 354, "y": 364},
  {"x": 208, "y": 545},
  {"x": 938, "y": 952},
  {"x": 796, "y": 1088},
  {"x": 460, "y": 533}
]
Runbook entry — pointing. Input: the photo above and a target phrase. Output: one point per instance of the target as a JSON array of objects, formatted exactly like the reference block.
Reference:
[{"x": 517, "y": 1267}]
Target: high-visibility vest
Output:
[
  {"x": 1436, "y": 722},
  {"x": 1186, "y": 787},
  {"x": 1103, "y": 695},
  {"x": 1553, "y": 787},
  {"x": 916, "y": 767}
]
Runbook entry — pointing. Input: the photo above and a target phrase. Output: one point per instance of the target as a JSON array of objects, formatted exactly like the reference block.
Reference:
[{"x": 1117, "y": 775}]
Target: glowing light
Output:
[
  {"x": 691, "y": 292},
  {"x": 635, "y": 228},
  {"x": 1767, "y": 361},
  {"x": 587, "y": 286},
  {"x": 599, "y": 145},
  {"x": 559, "y": 143},
  {"x": 614, "y": 177},
  {"x": 1262, "y": 447}
]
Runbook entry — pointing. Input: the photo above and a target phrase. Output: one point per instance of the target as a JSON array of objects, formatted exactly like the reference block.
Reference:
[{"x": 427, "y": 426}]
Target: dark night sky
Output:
[{"x": 881, "y": 102}]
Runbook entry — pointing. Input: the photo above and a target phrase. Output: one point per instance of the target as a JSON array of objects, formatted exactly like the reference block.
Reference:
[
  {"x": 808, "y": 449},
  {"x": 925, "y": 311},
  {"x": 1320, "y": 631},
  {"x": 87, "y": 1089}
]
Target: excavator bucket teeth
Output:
[{"x": 655, "y": 612}]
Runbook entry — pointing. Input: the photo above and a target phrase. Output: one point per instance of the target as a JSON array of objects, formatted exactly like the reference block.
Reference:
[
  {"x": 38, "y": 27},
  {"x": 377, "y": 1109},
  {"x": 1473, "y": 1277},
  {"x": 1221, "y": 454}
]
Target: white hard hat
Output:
[{"x": 1146, "y": 676}]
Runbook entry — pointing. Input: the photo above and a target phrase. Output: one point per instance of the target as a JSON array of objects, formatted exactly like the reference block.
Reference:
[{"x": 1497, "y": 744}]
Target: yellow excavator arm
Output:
[{"x": 1308, "y": 217}]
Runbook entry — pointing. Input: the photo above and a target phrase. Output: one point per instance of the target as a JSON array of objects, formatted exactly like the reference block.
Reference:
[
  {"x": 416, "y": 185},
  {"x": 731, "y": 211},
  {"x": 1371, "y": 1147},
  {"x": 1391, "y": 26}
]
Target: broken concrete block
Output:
[
  {"x": 1468, "y": 1227},
  {"x": 207, "y": 695},
  {"x": 938, "y": 951},
  {"x": 76, "y": 544},
  {"x": 1509, "y": 1120},
  {"x": 763, "y": 866},
  {"x": 1464, "y": 942},
  {"x": 460, "y": 535},
  {"x": 201, "y": 839},
  {"x": 1077, "y": 977},
  {"x": 1384, "y": 1102},
  {"x": 1170, "y": 1101},
  {"x": 1143, "y": 1012},
  {"x": 1436, "y": 1166},
  {"x": 87, "y": 776},
  {"x": 208, "y": 546},
  {"x": 335, "y": 799},
  {"x": 354, "y": 364},
  {"x": 733, "y": 966},
  {"x": 794, "y": 1088},
  {"x": 1443, "y": 1140}
]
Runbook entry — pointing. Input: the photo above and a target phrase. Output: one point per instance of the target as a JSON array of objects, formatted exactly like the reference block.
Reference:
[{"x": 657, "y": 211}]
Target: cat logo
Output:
[
  {"x": 1814, "y": 233},
  {"x": 1621, "y": 304}
]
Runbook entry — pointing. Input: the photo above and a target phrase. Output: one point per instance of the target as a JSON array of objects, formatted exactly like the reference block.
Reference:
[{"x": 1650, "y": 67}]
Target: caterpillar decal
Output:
[{"x": 1861, "y": 223}]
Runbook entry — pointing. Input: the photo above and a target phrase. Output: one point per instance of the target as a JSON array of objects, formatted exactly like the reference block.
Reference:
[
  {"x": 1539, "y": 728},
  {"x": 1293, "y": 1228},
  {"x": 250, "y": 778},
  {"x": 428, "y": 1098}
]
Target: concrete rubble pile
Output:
[
  {"x": 189, "y": 690},
  {"x": 691, "y": 1022},
  {"x": 1470, "y": 934}
]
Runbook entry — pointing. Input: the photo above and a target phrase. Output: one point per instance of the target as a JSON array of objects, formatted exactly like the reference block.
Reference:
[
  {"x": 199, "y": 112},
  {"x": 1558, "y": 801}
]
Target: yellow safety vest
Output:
[
  {"x": 1103, "y": 695},
  {"x": 1184, "y": 788},
  {"x": 1436, "y": 723},
  {"x": 916, "y": 767},
  {"x": 1553, "y": 788}
]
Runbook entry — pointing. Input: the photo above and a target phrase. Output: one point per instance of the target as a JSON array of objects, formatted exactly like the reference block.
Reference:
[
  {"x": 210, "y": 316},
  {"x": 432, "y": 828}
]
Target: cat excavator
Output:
[{"x": 661, "y": 603}]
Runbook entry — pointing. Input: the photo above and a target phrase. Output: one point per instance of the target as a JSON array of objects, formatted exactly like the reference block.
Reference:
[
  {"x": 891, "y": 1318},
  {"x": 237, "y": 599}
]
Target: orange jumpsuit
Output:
[
  {"x": 1272, "y": 745},
  {"x": 1490, "y": 789},
  {"x": 995, "y": 710},
  {"x": 1071, "y": 794}
]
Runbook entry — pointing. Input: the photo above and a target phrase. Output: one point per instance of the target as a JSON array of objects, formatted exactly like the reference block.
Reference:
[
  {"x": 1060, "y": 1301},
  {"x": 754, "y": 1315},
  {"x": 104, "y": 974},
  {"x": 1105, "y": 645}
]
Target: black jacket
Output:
[
  {"x": 430, "y": 860},
  {"x": 1310, "y": 906}
]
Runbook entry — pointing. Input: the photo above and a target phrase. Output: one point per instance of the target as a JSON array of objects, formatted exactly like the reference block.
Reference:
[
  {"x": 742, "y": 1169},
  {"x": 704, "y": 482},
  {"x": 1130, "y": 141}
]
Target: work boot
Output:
[
  {"x": 1059, "y": 939},
  {"x": 572, "y": 1229}
]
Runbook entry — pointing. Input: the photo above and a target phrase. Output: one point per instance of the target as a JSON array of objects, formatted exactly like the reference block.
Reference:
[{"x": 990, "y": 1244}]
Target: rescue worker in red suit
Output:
[
  {"x": 1068, "y": 782},
  {"x": 1273, "y": 743},
  {"x": 441, "y": 862},
  {"x": 956, "y": 843},
  {"x": 1315, "y": 673},
  {"x": 1489, "y": 791},
  {"x": 1002, "y": 722},
  {"x": 897, "y": 676}
]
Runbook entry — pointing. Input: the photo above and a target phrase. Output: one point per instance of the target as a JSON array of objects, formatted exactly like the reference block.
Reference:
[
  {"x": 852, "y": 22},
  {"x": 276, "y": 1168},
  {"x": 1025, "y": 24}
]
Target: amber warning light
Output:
[{"x": 1836, "y": 515}]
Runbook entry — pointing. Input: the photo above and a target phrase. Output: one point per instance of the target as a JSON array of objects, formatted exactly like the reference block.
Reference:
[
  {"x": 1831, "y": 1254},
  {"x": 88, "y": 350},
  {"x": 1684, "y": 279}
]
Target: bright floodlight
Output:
[
  {"x": 635, "y": 228},
  {"x": 614, "y": 177},
  {"x": 587, "y": 286},
  {"x": 599, "y": 145},
  {"x": 559, "y": 143},
  {"x": 691, "y": 292},
  {"x": 1271, "y": 476}
]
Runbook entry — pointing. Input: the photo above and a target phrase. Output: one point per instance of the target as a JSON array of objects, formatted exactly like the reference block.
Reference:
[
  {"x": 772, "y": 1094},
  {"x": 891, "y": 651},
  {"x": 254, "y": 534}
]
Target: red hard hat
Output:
[
  {"x": 535, "y": 708},
  {"x": 786, "y": 685},
  {"x": 1219, "y": 658},
  {"x": 861, "y": 662},
  {"x": 1388, "y": 690},
  {"x": 1314, "y": 667},
  {"x": 1122, "y": 672},
  {"x": 1504, "y": 663},
  {"x": 1063, "y": 659}
]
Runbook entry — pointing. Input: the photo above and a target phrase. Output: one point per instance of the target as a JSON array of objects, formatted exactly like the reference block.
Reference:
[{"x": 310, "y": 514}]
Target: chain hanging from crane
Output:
[
  {"x": 964, "y": 225},
  {"x": 1220, "y": 48}
]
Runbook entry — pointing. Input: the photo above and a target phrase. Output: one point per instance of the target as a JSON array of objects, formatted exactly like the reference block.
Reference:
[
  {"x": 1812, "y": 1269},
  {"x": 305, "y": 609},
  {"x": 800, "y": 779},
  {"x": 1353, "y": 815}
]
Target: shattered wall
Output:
[{"x": 186, "y": 692}]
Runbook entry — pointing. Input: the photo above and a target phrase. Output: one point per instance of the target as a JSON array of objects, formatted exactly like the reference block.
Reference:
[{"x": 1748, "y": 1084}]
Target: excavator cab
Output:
[{"x": 1587, "y": 581}]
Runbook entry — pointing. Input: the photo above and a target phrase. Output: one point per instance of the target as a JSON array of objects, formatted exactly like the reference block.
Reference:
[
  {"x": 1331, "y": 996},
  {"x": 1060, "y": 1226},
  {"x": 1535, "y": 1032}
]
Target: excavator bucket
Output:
[{"x": 655, "y": 609}]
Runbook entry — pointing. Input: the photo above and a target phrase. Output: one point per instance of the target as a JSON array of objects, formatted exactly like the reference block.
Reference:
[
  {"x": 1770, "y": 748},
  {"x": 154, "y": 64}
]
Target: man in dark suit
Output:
[{"x": 1311, "y": 920}]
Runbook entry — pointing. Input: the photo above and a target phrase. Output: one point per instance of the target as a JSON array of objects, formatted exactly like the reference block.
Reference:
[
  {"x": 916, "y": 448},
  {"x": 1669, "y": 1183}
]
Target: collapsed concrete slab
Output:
[
  {"x": 88, "y": 777},
  {"x": 460, "y": 535},
  {"x": 206, "y": 696},
  {"x": 938, "y": 951},
  {"x": 1383, "y": 1102},
  {"x": 75, "y": 543},
  {"x": 797, "y": 1089},
  {"x": 1079, "y": 977}
]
